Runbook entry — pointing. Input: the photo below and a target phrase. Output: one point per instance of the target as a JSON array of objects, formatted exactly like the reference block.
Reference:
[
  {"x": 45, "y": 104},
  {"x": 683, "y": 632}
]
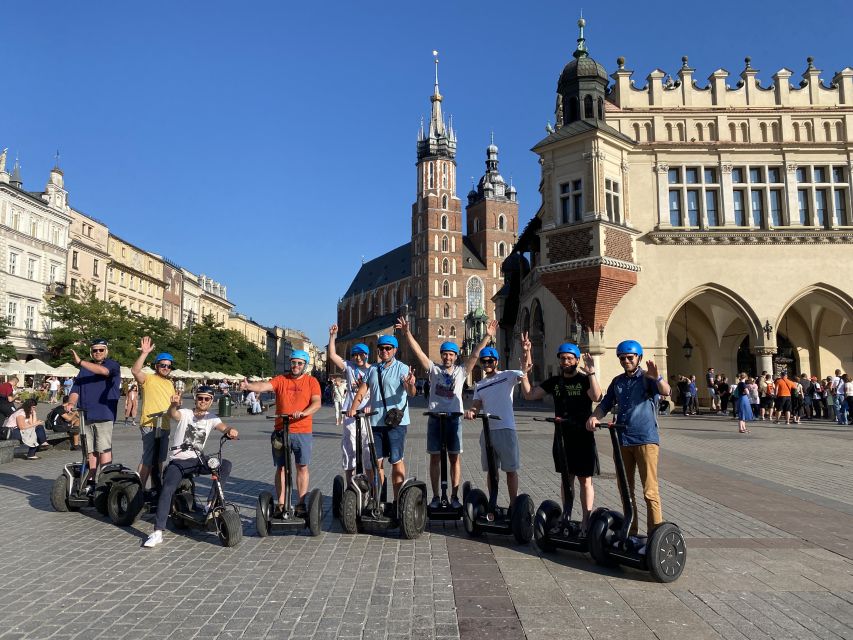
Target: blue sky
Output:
[{"x": 271, "y": 145}]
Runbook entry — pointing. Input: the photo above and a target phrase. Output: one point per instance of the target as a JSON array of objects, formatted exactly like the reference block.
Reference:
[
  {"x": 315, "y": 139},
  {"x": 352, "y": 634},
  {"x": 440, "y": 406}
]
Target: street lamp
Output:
[
  {"x": 190, "y": 322},
  {"x": 768, "y": 329},
  {"x": 687, "y": 347}
]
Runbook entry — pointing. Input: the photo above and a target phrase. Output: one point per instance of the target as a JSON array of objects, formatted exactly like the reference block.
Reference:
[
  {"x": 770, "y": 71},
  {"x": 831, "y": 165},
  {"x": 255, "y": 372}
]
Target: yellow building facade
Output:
[{"x": 134, "y": 278}]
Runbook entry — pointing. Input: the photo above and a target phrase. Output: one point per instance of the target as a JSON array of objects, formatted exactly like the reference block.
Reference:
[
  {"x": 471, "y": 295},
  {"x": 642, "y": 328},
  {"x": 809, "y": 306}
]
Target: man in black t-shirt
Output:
[{"x": 573, "y": 393}]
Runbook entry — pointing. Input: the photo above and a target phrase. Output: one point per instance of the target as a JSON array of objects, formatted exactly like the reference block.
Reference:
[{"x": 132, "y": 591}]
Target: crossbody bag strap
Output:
[{"x": 381, "y": 387}]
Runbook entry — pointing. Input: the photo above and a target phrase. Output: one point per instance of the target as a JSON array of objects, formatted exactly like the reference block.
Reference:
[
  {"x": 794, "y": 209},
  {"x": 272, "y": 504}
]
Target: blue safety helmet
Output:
[
  {"x": 164, "y": 356},
  {"x": 568, "y": 347},
  {"x": 388, "y": 340},
  {"x": 360, "y": 348},
  {"x": 449, "y": 346},
  {"x": 629, "y": 346},
  {"x": 489, "y": 352},
  {"x": 298, "y": 354},
  {"x": 205, "y": 388}
]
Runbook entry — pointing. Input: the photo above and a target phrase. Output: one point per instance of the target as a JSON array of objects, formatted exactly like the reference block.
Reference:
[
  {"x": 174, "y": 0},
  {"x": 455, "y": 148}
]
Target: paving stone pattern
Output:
[{"x": 751, "y": 573}]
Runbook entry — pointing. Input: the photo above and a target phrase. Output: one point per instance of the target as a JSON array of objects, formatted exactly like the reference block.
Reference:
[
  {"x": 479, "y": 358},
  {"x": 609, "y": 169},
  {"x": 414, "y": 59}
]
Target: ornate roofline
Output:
[
  {"x": 583, "y": 263},
  {"x": 748, "y": 237}
]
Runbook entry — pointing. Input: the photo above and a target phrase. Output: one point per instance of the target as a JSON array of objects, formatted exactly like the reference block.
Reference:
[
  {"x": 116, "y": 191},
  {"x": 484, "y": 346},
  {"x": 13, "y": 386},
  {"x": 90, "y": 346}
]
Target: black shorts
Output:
[
  {"x": 581, "y": 453},
  {"x": 767, "y": 402},
  {"x": 784, "y": 403}
]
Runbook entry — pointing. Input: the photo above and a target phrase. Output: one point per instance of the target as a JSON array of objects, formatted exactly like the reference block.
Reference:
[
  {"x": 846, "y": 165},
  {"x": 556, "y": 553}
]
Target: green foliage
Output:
[{"x": 7, "y": 351}]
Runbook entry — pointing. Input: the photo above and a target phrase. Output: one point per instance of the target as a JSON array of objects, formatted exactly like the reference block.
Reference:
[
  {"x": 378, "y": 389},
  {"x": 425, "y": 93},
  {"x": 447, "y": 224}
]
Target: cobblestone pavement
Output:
[{"x": 768, "y": 517}]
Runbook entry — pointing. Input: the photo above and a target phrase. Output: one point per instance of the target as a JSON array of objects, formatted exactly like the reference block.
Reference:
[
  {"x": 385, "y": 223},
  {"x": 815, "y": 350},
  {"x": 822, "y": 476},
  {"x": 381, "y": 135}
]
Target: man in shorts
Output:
[
  {"x": 355, "y": 372},
  {"x": 784, "y": 387},
  {"x": 445, "y": 396},
  {"x": 388, "y": 385},
  {"x": 573, "y": 393},
  {"x": 297, "y": 394},
  {"x": 493, "y": 394},
  {"x": 710, "y": 384},
  {"x": 97, "y": 389},
  {"x": 157, "y": 391}
]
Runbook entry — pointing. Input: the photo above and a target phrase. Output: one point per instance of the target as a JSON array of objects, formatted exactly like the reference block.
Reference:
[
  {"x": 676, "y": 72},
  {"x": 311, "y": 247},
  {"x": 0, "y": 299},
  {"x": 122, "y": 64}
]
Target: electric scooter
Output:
[
  {"x": 482, "y": 515},
  {"x": 266, "y": 520},
  {"x": 70, "y": 491},
  {"x": 365, "y": 501},
  {"x": 663, "y": 554},
  {"x": 445, "y": 511}
]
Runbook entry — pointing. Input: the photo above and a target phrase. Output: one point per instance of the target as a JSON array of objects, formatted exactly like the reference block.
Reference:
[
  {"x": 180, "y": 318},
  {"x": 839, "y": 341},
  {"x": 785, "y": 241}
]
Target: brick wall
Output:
[
  {"x": 597, "y": 290},
  {"x": 569, "y": 245},
  {"x": 617, "y": 244}
]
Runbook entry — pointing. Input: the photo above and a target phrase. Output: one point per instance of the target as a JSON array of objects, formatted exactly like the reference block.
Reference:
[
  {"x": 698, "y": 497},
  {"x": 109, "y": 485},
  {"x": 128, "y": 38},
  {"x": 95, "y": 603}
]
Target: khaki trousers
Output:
[{"x": 644, "y": 458}]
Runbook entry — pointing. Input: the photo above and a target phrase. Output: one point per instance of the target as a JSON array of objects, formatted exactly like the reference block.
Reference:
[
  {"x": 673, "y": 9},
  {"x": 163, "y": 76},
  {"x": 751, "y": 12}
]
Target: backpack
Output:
[{"x": 54, "y": 420}]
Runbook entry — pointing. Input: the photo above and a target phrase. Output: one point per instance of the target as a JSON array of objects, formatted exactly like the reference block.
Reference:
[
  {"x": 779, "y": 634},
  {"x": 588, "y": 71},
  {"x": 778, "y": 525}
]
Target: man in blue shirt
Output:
[
  {"x": 636, "y": 394},
  {"x": 397, "y": 383},
  {"x": 97, "y": 389}
]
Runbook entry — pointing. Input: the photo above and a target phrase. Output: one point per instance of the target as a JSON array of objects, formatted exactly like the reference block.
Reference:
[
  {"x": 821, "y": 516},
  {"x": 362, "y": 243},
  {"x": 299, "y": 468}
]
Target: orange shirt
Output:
[
  {"x": 294, "y": 394},
  {"x": 784, "y": 387}
]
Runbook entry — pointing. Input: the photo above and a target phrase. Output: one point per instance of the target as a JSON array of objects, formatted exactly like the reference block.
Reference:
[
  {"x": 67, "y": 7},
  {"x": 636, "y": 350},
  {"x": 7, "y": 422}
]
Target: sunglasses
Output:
[
  {"x": 293, "y": 363},
  {"x": 204, "y": 399},
  {"x": 386, "y": 347},
  {"x": 161, "y": 365},
  {"x": 488, "y": 360},
  {"x": 97, "y": 350},
  {"x": 628, "y": 357},
  {"x": 359, "y": 355}
]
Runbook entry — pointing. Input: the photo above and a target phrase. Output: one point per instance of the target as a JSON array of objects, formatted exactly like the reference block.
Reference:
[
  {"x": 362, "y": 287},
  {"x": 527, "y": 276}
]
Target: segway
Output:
[
  {"x": 663, "y": 554},
  {"x": 70, "y": 490},
  {"x": 266, "y": 519},
  {"x": 364, "y": 501},
  {"x": 482, "y": 515},
  {"x": 553, "y": 526},
  {"x": 445, "y": 510}
]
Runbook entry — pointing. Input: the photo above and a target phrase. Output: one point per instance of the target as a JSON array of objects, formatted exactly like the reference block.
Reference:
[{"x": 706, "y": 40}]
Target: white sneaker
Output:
[{"x": 153, "y": 540}]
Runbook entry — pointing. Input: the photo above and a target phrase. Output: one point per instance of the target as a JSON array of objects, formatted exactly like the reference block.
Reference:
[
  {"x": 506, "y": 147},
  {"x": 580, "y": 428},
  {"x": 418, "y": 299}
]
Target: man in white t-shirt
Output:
[
  {"x": 445, "y": 396},
  {"x": 194, "y": 425},
  {"x": 493, "y": 394}
]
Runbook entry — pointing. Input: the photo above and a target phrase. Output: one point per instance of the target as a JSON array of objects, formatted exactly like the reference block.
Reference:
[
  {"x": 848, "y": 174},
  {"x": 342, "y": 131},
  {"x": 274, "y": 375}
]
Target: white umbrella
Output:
[
  {"x": 126, "y": 373},
  {"x": 147, "y": 370},
  {"x": 179, "y": 373},
  {"x": 67, "y": 370},
  {"x": 38, "y": 368}
]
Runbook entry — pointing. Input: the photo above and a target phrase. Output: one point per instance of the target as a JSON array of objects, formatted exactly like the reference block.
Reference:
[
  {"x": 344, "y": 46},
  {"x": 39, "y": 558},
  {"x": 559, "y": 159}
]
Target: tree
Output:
[
  {"x": 225, "y": 350},
  {"x": 7, "y": 351}
]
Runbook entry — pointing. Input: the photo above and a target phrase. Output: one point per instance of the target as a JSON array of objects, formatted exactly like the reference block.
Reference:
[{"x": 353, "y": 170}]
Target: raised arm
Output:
[
  {"x": 594, "y": 391},
  {"x": 90, "y": 366},
  {"x": 174, "y": 414},
  {"x": 146, "y": 346},
  {"x": 536, "y": 393},
  {"x": 333, "y": 355},
  {"x": 491, "y": 334},
  {"x": 403, "y": 326},
  {"x": 258, "y": 387}
]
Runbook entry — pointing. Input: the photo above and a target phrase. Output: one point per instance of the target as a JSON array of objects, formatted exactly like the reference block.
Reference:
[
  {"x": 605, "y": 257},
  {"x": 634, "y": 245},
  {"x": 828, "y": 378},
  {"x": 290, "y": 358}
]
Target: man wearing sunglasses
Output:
[
  {"x": 97, "y": 389},
  {"x": 636, "y": 393},
  {"x": 193, "y": 428},
  {"x": 355, "y": 372},
  {"x": 157, "y": 391},
  {"x": 297, "y": 394}
]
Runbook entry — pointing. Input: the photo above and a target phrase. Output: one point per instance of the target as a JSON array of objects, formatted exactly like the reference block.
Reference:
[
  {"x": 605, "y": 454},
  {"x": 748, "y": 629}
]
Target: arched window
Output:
[
  {"x": 574, "y": 110},
  {"x": 476, "y": 225},
  {"x": 501, "y": 249},
  {"x": 680, "y": 127},
  {"x": 420, "y": 225},
  {"x": 648, "y": 128},
  {"x": 669, "y": 131},
  {"x": 444, "y": 201},
  {"x": 446, "y": 310},
  {"x": 796, "y": 132},
  {"x": 452, "y": 332},
  {"x": 827, "y": 131},
  {"x": 839, "y": 130},
  {"x": 601, "y": 108},
  {"x": 440, "y": 331},
  {"x": 444, "y": 244},
  {"x": 763, "y": 128},
  {"x": 700, "y": 132},
  {"x": 733, "y": 131},
  {"x": 444, "y": 179},
  {"x": 587, "y": 107},
  {"x": 445, "y": 266},
  {"x": 637, "y": 131},
  {"x": 444, "y": 219},
  {"x": 394, "y": 298},
  {"x": 445, "y": 289},
  {"x": 809, "y": 137},
  {"x": 711, "y": 131},
  {"x": 501, "y": 222},
  {"x": 431, "y": 179},
  {"x": 774, "y": 131},
  {"x": 474, "y": 294},
  {"x": 744, "y": 131}
]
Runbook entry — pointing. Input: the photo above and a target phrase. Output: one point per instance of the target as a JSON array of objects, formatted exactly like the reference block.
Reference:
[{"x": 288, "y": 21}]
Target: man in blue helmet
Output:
[
  {"x": 157, "y": 391},
  {"x": 355, "y": 372},
  {"x": 493, "y": 394},
  {"x": 636, "y": 393},
  {"x": 446, "y": 382},
  {"x": 388, "y": 385},
  {"x": 573, "y": 393}
]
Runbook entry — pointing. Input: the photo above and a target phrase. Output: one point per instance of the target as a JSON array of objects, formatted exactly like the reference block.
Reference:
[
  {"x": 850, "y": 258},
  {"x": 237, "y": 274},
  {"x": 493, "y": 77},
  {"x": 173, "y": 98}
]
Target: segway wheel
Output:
[
  {"x": 262, "y": 514},
  {"x": 466, "y": 487},
  {"x": 666, "y": 552},
  {"x": 59, "y": 494},
  {"x": 315, "y": 511},
  {"x": 474, "y": 507},
  {"x": 102, "y": 494},
  {"x": 522, "y": 519},
  {"x": 412, "y": 513},
  {"x": 349, "y": 512},
  {"x": 339, "y": 485},
  {"x": 124, "y": 502},
  {"x": 598, "y": 538},
  {"x": 229, "y": 528},
  {"x": 182, "y": 502},
  {"x": 547, "y": 515}
]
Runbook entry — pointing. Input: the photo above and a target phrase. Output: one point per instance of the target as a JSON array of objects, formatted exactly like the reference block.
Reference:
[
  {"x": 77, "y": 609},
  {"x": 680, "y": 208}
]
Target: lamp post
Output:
[
  {"x": 687, "y": 347},
  {"x": 768, "y": 329},
  {"x": 190, "y": 323}
]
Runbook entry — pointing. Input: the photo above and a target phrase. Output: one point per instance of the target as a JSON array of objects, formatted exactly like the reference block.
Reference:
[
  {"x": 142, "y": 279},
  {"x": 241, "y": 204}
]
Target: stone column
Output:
[
  {"x": 726, "y": 198},
  {"x": 662, "y": 171},
  {"x": 764, "y": 358}
]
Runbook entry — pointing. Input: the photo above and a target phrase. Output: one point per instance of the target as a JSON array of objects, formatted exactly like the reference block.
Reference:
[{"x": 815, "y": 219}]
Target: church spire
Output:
[
  {"x": 581, "y": 51},
  {"x": 439, "y": 139},
  {"x": 436, "y": 121}
]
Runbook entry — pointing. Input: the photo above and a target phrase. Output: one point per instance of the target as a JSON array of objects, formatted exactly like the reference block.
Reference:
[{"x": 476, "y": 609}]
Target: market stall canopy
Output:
[
  {"x": 38, "y": 368},
  {"x": 126, "y": 372},
  {"x": 67, "y": 370}
]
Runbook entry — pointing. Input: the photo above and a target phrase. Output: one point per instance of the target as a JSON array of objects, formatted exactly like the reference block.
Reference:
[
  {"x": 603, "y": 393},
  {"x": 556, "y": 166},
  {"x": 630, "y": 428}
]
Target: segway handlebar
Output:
[
  {"x": 555, "y": 419},
  {"x": 159, "y": 414},
  {"x": 443, "y": 414},
  {"x": 490, "y": 416},
  {"x": 285, "y": 416},
  {"x": 363, "y": 414}
]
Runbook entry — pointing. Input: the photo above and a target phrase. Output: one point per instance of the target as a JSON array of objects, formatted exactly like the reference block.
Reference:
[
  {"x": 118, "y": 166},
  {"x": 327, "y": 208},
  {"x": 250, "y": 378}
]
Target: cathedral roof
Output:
[
  {"x": 390, "y": 267},
  {"x": 470, "y": 258},
  {"x": 372, "y": 327}
]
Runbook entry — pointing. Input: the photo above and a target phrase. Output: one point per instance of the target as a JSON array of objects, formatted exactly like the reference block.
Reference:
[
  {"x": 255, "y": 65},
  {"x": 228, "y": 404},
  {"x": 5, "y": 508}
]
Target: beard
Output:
[{"x": 570, "y": 370}]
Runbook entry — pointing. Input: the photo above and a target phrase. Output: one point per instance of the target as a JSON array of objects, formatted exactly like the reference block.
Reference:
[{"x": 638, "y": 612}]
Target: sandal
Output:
[{"x": 32, "y": 457}]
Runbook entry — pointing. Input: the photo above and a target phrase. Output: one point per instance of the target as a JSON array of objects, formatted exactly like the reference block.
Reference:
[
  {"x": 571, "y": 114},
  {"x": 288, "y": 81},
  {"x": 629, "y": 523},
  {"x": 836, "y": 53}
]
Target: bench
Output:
[{"x": 10, "y": 449}]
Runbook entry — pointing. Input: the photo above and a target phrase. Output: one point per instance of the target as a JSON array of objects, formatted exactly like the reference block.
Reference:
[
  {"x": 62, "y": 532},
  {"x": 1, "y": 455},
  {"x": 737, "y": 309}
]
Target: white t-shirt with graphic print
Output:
[{"x": 191, "y": 430}]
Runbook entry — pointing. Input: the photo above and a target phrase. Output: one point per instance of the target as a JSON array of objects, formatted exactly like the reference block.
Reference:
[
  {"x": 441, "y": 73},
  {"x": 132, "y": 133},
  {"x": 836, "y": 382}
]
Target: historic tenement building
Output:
[
  {"x": 710, "y": 220},
  {"x": 444, "y": 277},
  {"x": 135, "y": 278}
]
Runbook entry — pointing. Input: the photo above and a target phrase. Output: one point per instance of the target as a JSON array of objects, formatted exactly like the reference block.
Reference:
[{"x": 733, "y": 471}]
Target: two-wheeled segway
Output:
[
  {"x": 71, "y": 490},
  {"x": 267, "y": 518},
  {"x": 445, "y": 509},
  {"x": 364, "y": 501},
  {"x": 553, "y": 526},
  {"x": 663, "y": 554},
  {"x": 481, "y": 514}
]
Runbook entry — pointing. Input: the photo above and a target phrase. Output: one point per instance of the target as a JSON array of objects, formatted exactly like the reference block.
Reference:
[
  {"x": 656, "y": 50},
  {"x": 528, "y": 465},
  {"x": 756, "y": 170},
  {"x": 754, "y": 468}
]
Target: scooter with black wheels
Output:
[
  {"x": 663, "y": 554},
  {"x": 481, "y": 514},
  {"x": 445, "y": 509},
  {"x": 553, "y": 526},
  {"x": 71, "y": 490},
  {"x": 267, "y": 518},
  {"x": 365, "y": 502}
]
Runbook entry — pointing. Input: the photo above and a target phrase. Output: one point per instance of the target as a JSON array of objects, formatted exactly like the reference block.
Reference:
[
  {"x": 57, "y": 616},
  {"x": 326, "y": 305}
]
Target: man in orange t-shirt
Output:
[
  {"x": 297, "y": 394},
  {"x": 783, "y": 396}
]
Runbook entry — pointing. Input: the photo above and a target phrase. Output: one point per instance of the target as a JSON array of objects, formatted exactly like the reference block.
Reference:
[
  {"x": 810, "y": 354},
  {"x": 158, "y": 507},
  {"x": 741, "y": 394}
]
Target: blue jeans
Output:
[{"x": 844, "y": 411}]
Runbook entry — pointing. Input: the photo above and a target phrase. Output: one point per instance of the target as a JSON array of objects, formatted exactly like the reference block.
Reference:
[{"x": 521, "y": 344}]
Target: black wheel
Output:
[
  {"x": 349, "y": 512},
  {"x": 474, "y": 507},
  {"x": 666, "y": 553},
  {"x": 124, "y": 502},
  {"x": 229, "y": 528},
  {"x": 547, "y": 516},
  {"x": 412, "y": 513},
  {"x": 102, "y": 494},
  {"x": 263, "y": 511},
  {"x": 59, "y": 494},
  {"x": 182, "y": 502},
  {"x": 522, "y": 519},
  {"x": 600, "y": 536},
  {"x": 339, "y": 485},
  {"x": 466, "y": 487},
  {"x": 315, "y": 511}
]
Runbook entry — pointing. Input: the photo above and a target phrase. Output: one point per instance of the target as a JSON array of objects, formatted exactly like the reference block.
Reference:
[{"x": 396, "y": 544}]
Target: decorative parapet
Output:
[
  {"x": 583, "y": 263},
  {"x": 747, "y": 237}
]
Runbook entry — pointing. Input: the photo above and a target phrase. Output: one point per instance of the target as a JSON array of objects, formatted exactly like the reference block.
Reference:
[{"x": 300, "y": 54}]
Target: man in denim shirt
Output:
[{"x": 636, "y": 394}]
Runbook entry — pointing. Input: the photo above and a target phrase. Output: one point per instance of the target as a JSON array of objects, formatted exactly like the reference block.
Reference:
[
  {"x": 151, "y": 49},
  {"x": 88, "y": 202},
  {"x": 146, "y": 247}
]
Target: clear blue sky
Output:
[{"x": 271, "y": 145}]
